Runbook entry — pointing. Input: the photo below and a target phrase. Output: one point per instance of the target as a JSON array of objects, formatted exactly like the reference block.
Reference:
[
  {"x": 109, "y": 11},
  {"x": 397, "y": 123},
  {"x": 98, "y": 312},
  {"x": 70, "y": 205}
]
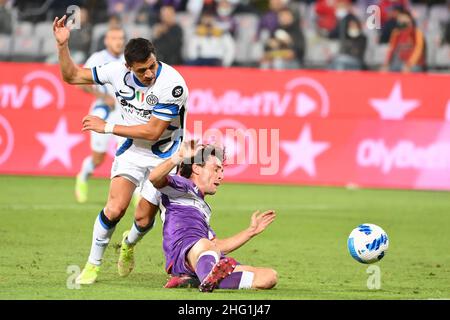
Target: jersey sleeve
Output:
[
  {"x": 177, "y": 186},
  {"x": 92, "y": 61},
  {"x": 105, "y": 73},
  {"x": 170, "y": 102}
]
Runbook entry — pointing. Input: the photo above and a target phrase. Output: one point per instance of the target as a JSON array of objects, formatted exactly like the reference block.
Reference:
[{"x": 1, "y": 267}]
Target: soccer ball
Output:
[{"x": 368, "y": 243}]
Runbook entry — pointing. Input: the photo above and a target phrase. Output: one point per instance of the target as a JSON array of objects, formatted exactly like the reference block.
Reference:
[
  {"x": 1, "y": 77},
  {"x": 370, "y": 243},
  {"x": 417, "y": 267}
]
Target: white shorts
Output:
[
  {"x": 136, "y": 168},
  {"x": 100, "y": 141}
]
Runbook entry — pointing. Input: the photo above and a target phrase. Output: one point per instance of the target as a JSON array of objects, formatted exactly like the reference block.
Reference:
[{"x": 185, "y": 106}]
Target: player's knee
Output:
[
  {"x": 205, "y": 245},
  {"x": 96, "y": 162},
  {"x": 202, "y": 246},
  {"x": 266, "y": 279},
  {"x": 272, "y": 278},
  {"x": 97, "y": 159},
  {"x": 145, "y": 213},
  {"x": 115, "y": 211}
]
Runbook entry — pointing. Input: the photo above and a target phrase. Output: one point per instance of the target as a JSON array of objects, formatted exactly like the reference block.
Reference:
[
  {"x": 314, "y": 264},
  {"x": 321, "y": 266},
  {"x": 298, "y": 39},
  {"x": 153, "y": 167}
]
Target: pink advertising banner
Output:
[{"x": 293, "y": 127}]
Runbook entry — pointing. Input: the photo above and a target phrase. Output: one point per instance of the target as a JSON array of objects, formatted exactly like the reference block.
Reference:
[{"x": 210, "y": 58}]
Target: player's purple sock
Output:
[
  {"x": 232, "y": 281},
  {"x": 205, "y": 263}
]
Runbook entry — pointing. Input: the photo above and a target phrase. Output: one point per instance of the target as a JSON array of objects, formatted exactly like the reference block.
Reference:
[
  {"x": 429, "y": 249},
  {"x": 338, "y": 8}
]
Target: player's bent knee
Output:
[
  {"x": 115, "y": 211},
  {"x": 265, "y": 279},
  {"x": 204, "y": 245},
  {"x": 272, "y": 278},
  {"x": 201, "y": 246},
  {"x": 145, "y": 213}
]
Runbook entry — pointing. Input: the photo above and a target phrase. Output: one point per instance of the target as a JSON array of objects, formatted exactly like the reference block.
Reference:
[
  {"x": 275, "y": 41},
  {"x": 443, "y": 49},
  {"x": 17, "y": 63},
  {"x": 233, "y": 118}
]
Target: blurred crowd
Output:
[{"x": 396, "y": 35}]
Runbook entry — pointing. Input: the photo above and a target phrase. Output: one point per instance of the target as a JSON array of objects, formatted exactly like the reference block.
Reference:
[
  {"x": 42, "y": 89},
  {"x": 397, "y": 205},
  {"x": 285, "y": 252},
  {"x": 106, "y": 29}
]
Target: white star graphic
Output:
[
  {"x": 303, "y": 152},
  {"x": 58, "y": 144},
  {"x": 394, "y": 107}
]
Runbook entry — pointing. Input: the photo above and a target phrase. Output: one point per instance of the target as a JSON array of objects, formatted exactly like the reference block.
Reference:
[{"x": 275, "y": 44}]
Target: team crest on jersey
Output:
[
  {"x": 177, "y": 91},
  {"x": 140, "y": 96},
  {"x": 151, "y": 99}
]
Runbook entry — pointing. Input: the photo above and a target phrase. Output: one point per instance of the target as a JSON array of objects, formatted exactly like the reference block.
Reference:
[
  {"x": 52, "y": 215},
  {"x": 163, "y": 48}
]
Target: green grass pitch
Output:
[{"x": 45, "y": 236}]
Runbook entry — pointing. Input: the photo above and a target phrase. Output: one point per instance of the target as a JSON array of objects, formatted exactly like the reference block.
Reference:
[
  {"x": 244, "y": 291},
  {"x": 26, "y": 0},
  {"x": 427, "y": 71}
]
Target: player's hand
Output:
[
  {"x": 60, "y": 31},
  {"x": 260, "y": 221},
  {"x": 93, "y": 123},
  {"x": 187, "y": 150}
]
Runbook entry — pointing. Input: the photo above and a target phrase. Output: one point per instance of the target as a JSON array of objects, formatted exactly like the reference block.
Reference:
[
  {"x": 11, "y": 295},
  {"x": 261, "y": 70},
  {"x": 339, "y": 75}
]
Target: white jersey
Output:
[
  {"x": 166, "y": 99},
  {"x": 100, "y": 58}
]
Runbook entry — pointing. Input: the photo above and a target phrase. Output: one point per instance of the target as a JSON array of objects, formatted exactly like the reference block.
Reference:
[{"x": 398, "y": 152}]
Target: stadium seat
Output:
[
  {"x": 245, "y": 39},
  {"x": 443, "y": 57},
  {"x": 26, "y": 49},
  {"x": 319, "y": 51},
  {"x": 420, "y": 14},
  {"x": 43, "y": 29},
  {"x": 48, "y": 46},
  {"x": 23, "y": 29},
  {"x": 138, "y": 31},
  {"x": 373, "y": 37},
  {"x": 378, "y": 56},
  {"x": 5, "y": 47},
  {"x": 309, "y": 17},
  {"x": 438, "y": 16},
  {"x": 97, "y": 33},
  {"x": 185, "y": 20},
  {"x": 439, "y": 12}
]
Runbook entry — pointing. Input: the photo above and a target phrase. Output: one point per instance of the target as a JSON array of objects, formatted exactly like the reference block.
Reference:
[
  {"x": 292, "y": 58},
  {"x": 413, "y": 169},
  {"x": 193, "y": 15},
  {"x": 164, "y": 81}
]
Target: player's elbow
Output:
[
  {"x": 153, "y": 179},
  {"x": 151, "y": 134},
  {"x": 156, "y": 181},
  {"x": 69, "y": 78}
]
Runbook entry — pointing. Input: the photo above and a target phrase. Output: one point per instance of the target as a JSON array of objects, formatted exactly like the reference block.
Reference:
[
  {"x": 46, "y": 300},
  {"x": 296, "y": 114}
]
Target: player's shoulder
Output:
[
  {"x": 100, "y": 58},
  {"x": 94, "y": 59},
  {"x": 170, "y": 74},
  {"x": 117, "y": 67}
]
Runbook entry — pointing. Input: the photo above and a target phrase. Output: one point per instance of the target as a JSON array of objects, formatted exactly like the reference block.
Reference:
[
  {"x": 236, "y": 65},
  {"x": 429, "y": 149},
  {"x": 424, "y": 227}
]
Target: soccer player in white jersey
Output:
[
  {"x": 153, "y": 98},
  {"x": 105, "y": 106}
]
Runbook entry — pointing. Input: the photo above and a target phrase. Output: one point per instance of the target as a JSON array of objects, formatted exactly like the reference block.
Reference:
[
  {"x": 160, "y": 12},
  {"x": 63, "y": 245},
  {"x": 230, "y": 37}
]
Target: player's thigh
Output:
[
  {"x": 263, "y": 278},
  {"x": 129, "y": 165},
  {"x": 98, "y": 157},
  {"x": 201, "y": 246},
  {"x": 120, "y": 192}
]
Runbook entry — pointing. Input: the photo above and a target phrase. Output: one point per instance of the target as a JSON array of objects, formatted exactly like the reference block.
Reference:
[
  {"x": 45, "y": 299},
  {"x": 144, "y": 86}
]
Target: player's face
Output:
[
  {"x": 211, "y": 175},
  {"x": 146, "y": 71},
  {"x": 115, "y": 41}
]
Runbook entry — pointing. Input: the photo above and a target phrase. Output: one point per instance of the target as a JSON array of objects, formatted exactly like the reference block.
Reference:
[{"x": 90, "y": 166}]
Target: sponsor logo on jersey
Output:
[
  {"x": 151, "y": 99},
  {"x": 177, "y": 91},
  {"x": 131, "y": 109}
]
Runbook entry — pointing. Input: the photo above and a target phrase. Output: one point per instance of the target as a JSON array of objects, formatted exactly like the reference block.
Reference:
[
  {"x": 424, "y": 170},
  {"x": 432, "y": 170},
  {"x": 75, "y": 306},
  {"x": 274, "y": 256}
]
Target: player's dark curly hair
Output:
[
  {"x": 200, "y": 158},
  {"x": 138, "y": 50}
]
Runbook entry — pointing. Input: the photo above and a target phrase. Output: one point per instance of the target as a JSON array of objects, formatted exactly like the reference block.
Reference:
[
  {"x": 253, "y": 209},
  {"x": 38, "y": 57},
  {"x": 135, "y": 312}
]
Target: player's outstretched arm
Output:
[
  {"x": 158, "y": 176},
  {"x": 152, "y": 130},
  {"x": 71, "y": 73},
  {"x": 259, "y": 222}
]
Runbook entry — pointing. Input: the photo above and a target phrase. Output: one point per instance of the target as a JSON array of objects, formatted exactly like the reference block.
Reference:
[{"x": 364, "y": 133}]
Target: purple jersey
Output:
[{"x": 186, "y": 221}]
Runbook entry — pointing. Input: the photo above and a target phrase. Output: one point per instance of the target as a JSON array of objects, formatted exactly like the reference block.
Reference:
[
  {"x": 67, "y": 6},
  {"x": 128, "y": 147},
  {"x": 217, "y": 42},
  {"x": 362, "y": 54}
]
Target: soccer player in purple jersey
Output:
[{"x": 190, "y": 245}]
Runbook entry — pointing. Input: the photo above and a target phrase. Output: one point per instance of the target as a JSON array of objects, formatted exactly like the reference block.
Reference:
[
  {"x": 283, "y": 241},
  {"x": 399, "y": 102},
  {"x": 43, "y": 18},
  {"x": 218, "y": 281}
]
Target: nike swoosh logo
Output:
[{"x": 124, "y": 92}]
